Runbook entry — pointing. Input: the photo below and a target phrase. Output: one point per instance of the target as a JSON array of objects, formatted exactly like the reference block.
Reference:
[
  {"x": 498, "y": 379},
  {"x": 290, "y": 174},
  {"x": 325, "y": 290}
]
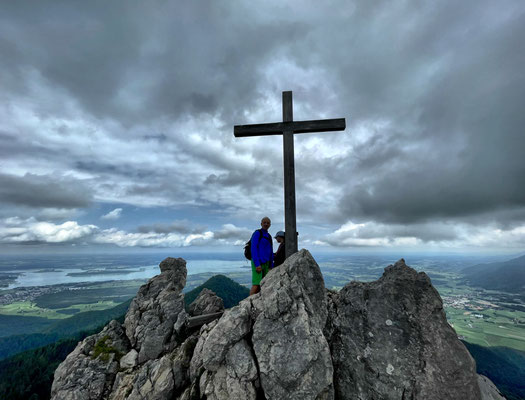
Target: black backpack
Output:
[{"x": 248, "y": 246}]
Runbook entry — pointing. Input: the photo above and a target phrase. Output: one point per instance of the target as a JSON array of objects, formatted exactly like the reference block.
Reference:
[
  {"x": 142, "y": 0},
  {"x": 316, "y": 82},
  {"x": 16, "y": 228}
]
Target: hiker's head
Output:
[
  {"x": 266, "y": 223},
  {"x": 279, "y": 236}
]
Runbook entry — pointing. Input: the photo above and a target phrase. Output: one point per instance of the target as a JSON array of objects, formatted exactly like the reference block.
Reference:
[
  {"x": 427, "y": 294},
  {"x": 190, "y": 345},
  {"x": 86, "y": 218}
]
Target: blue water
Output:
[
  {"x": 58, "y": 269},
  {"x": 43, "y": 270}
]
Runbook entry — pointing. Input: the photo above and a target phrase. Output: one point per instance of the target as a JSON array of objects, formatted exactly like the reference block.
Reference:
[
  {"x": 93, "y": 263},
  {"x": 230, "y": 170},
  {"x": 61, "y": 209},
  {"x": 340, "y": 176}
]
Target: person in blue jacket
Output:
[{"x": 262, "y": 254}]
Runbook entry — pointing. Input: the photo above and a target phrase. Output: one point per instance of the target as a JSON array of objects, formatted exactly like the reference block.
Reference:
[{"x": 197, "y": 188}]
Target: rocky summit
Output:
[{"x": 387, "y": 339}]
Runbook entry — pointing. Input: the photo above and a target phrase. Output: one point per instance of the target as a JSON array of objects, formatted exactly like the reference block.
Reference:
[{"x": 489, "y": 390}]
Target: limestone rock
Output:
[
  {"x": 387, "y": 339},
  {"x": 280, "y": 331},
  {"x": 292, "y": 353},
  {"x": 130, "y": 359},
  {"x": 157, "y": 379},
  {"x": 153, "y": 313},
  {"x": 235, "y": 379},
  {"x": 88, "y": 372},
  {"x": 207, "y": 302},
  {"x": 223, "y": 364},
  {"x": 390, "y": 339}
]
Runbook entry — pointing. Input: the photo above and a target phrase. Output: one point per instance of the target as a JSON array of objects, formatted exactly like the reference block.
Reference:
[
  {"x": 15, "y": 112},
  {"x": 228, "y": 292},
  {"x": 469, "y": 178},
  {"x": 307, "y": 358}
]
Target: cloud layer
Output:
[{"x": 119, "y": 106}]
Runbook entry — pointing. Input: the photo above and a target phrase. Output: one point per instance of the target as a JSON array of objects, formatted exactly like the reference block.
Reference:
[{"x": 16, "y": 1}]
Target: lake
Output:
[{"x": 18, "y": 271}]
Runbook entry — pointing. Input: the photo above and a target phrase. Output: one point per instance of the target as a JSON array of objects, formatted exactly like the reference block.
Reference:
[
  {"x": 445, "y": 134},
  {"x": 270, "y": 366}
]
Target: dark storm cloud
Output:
[
  {"x": 448, "y": 84},
  {"x": 43, "y": 191},
  {"x": 171, "y": 58}
]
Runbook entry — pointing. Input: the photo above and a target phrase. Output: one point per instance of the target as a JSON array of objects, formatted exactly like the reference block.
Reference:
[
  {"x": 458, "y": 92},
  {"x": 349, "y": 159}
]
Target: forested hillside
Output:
[
  {"x": 29, "y": 375},
  {"x": 85, "y": 321},
  {"x": 503, "y": 366},
  {"x": 505, "y": 276},
  {"x": 228, "y": 290}
]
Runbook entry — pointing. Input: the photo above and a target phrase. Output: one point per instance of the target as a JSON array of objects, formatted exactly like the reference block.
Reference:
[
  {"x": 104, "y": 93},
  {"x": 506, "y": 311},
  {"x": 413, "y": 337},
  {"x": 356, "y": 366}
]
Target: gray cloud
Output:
[
  {"x": 43, "y": 191},
  {"x": 117, "y": 92},
  {"x": 172, "y": 67},
  {"x": 182, "y": 227},
  {"x": 230, "y": 231}
]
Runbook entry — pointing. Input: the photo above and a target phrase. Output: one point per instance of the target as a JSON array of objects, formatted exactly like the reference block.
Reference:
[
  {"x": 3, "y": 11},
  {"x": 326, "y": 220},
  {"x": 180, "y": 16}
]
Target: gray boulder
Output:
[
  {"x": 272, "y": 342},
  {"x": 292, "y": 353},
  {"x": 151, "y": 320},
  {"x": 207, "y": 302},
  {"x": 390, "y": 339}
]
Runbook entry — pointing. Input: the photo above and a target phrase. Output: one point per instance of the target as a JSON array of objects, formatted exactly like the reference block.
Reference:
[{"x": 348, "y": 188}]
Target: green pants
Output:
[{"x": 257, "y": 276}]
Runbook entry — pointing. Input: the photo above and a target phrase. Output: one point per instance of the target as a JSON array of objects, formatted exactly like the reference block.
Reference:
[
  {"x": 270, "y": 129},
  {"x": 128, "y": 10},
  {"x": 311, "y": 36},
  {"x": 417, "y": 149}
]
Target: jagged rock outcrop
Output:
[
  {"x": 292, "y": 352},
  {"x": 88, "y": 372},
  {"x": 387, "y": 339},
  {"x": 390, "y": 339},
  {"x": 155, "y": 315},
  {"x": 207, "y": 302}
]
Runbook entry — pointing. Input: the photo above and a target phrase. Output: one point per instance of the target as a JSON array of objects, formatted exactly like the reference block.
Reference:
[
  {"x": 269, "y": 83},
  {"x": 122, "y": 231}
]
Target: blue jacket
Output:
[{"x": 262, "y": 250}]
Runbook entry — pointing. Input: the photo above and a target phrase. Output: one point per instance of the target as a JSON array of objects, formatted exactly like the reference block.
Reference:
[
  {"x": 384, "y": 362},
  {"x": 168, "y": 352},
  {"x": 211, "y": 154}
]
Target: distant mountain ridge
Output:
[
  {"x": 227, "y": 289},
  {"x": 506, "y": 275}
]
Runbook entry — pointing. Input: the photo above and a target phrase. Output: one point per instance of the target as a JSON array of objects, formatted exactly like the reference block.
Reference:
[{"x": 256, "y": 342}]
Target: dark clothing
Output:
[
  {"x": 262, "y": 248},
  {"x": 279, "y": 256}
]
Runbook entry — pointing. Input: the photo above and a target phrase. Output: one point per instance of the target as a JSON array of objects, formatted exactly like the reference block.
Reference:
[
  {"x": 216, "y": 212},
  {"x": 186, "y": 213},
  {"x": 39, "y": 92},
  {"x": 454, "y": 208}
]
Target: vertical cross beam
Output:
[
  {"x": 288, "y": 128},
  {"x": 290, "y": 221}
]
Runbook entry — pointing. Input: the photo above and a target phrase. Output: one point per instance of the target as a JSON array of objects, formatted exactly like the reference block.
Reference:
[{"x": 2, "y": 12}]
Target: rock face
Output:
[
  {"x": 390, "y": 339},
  {"x": 153, "y": 313},
  {"x": 207, "y": 302},
  {"x": 292, "y": 352},
  {"x": 88, "y": 372},
  {"x": 387, "y": 339}
]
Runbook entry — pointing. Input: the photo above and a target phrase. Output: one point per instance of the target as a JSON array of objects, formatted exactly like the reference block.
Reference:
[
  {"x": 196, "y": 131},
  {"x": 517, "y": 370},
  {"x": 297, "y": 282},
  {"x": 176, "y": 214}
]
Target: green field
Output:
[
  {"x": 30, "y": 309},
  {"x": 483, "y": 317},
  {"x": 496, "y": 328}
]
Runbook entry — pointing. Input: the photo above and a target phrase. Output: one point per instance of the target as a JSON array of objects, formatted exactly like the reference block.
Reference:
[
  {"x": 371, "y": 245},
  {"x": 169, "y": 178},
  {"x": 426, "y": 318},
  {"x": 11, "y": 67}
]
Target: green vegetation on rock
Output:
[{"x": 103, "y": 350}]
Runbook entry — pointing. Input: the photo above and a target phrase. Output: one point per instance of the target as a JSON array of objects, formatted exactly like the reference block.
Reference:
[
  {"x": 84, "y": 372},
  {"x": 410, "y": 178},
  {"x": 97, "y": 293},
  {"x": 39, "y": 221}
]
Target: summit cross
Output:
[{"x": 288, "y": 128}]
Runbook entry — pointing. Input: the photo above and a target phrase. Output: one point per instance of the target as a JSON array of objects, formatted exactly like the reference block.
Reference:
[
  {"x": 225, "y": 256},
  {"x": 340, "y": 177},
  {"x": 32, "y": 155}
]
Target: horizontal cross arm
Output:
[{"x": 277, "y": 128}]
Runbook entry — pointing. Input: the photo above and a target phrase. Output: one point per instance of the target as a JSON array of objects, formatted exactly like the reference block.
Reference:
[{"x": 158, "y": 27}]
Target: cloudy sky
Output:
[{"x": 116, "y": 123}]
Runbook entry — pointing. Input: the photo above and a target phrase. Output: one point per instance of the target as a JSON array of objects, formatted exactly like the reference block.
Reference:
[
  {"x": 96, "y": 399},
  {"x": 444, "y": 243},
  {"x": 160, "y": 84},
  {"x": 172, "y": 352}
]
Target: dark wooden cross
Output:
[{"x": 287, "y": 128}]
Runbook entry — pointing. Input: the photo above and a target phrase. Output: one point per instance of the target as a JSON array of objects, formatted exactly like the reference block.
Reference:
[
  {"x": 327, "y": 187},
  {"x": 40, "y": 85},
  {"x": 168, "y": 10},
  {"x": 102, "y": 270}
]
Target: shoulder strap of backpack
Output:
[{"x": 261, "y": 235}]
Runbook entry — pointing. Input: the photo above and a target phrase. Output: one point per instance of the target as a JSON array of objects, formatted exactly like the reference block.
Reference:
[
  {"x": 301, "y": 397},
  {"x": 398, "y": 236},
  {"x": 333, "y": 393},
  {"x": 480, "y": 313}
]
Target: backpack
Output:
[{"x": 248, "y": 246}]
